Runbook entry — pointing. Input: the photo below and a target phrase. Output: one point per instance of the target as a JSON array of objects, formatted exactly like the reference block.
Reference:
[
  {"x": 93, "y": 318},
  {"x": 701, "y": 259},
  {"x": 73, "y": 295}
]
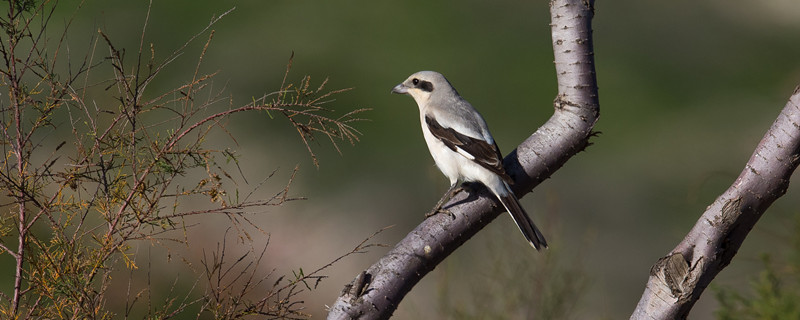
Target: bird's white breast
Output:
[{"x": 454, "y": 165}]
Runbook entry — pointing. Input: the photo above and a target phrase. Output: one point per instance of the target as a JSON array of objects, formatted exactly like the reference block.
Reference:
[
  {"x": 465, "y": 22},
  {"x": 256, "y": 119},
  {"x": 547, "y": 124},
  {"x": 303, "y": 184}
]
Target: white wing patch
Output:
[{"x": 465, "y": 153}]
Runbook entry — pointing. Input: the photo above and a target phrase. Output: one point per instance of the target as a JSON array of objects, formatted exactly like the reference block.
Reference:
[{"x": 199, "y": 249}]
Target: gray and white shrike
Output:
[{"x": 462, "y": 147}]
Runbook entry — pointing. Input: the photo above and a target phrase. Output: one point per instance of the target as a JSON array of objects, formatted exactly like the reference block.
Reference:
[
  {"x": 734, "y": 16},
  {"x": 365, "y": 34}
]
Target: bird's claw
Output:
[
  {"x": 440, "y": 210},
  {"x": 432, "y": 213}
]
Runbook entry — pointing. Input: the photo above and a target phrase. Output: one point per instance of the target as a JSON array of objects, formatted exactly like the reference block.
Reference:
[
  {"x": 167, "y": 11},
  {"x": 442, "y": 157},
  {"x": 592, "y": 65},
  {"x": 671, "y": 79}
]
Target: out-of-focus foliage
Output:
[
  {"x": 96, "y": 160},
  {"x": 687, "y": 89},
  {"x": 773, "y": 294},
  {"x": 500, "y": 285}
]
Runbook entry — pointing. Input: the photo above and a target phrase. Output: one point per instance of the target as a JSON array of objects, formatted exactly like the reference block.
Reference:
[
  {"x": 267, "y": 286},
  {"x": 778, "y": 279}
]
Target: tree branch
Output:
[
  {"x": 678, "y": 279},
  {"x": 376, "y": 292}
]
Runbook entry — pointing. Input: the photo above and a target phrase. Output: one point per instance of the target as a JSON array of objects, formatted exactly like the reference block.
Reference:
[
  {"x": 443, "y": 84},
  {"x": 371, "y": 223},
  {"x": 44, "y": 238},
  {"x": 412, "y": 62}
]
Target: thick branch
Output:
[
  {"x": 678, "y": 279},
  {"x": 376, "y": 292}
]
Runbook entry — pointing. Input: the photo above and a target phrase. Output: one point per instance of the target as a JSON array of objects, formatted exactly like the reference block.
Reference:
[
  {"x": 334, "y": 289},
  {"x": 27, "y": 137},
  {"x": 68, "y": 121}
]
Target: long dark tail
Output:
[{"x": 523, "y": 221}]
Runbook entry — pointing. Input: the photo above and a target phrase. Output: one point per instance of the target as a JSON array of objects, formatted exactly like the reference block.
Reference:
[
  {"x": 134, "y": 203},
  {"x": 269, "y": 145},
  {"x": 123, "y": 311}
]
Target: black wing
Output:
[{"x": 485, "y": 154}]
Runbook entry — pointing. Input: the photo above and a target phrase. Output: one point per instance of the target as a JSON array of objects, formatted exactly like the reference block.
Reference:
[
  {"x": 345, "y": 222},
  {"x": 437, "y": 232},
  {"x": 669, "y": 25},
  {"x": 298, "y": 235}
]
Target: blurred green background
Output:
[{"x": 687, "y": 89}]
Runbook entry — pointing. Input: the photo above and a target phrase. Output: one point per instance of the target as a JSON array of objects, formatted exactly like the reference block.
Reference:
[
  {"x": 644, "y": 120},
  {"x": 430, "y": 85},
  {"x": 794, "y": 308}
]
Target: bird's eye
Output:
[{"x": 415, "y": 81}]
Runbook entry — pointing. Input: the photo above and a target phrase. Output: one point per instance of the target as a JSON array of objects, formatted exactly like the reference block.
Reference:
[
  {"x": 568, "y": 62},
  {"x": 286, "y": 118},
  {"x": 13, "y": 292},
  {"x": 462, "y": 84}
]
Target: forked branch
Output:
[{"x": 376, "y": 292}]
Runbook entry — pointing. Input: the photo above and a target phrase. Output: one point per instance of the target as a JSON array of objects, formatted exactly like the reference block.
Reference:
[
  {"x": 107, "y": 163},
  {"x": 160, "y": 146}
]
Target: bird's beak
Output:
[{"x": 400, "y": 88}]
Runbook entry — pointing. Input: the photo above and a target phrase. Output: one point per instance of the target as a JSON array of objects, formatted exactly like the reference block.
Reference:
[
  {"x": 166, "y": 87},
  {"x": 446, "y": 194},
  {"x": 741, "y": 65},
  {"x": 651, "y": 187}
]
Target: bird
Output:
[{"x": 462, "y": 146}]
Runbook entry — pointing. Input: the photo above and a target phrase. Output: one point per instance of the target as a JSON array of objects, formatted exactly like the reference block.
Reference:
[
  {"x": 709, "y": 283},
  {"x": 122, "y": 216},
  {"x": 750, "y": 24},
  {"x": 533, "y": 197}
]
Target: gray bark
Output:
[
  {"x": 678, "y": 279},
  {"x": 376, "y": 292}
]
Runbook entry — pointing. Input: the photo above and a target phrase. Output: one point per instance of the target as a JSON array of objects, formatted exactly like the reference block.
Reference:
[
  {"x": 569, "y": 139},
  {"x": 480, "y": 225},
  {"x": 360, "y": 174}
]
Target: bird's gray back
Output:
[{"x": 452, "y": 111}]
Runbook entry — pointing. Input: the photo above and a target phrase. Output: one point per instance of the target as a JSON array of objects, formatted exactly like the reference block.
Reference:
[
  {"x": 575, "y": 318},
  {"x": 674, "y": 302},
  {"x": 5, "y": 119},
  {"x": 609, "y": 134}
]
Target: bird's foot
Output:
[
  {"x": 434, "y": 211},
  {"x": 438, "y": 208}
]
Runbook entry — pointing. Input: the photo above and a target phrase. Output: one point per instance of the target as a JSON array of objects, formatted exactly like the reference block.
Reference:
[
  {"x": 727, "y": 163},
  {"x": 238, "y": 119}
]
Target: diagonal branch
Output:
[
  {"x": 376, "y": 292},
  {"x": 678, "y": 279}
]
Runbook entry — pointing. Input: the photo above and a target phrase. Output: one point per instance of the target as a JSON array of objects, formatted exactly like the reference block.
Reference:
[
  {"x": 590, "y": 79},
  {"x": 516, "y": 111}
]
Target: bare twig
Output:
[
  {"x": 121, "y": 171},
  {"x": 231, "y": 281}
]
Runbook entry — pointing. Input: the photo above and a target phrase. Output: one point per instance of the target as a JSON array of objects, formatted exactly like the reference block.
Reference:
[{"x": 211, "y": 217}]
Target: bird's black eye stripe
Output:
[
  {"x": 422, "y": 84},
  {"x": 426, "y": 86}
]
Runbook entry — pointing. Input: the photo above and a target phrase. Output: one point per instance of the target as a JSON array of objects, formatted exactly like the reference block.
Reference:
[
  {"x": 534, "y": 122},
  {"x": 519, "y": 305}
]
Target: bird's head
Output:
[{"x": 424, "y": 84}]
